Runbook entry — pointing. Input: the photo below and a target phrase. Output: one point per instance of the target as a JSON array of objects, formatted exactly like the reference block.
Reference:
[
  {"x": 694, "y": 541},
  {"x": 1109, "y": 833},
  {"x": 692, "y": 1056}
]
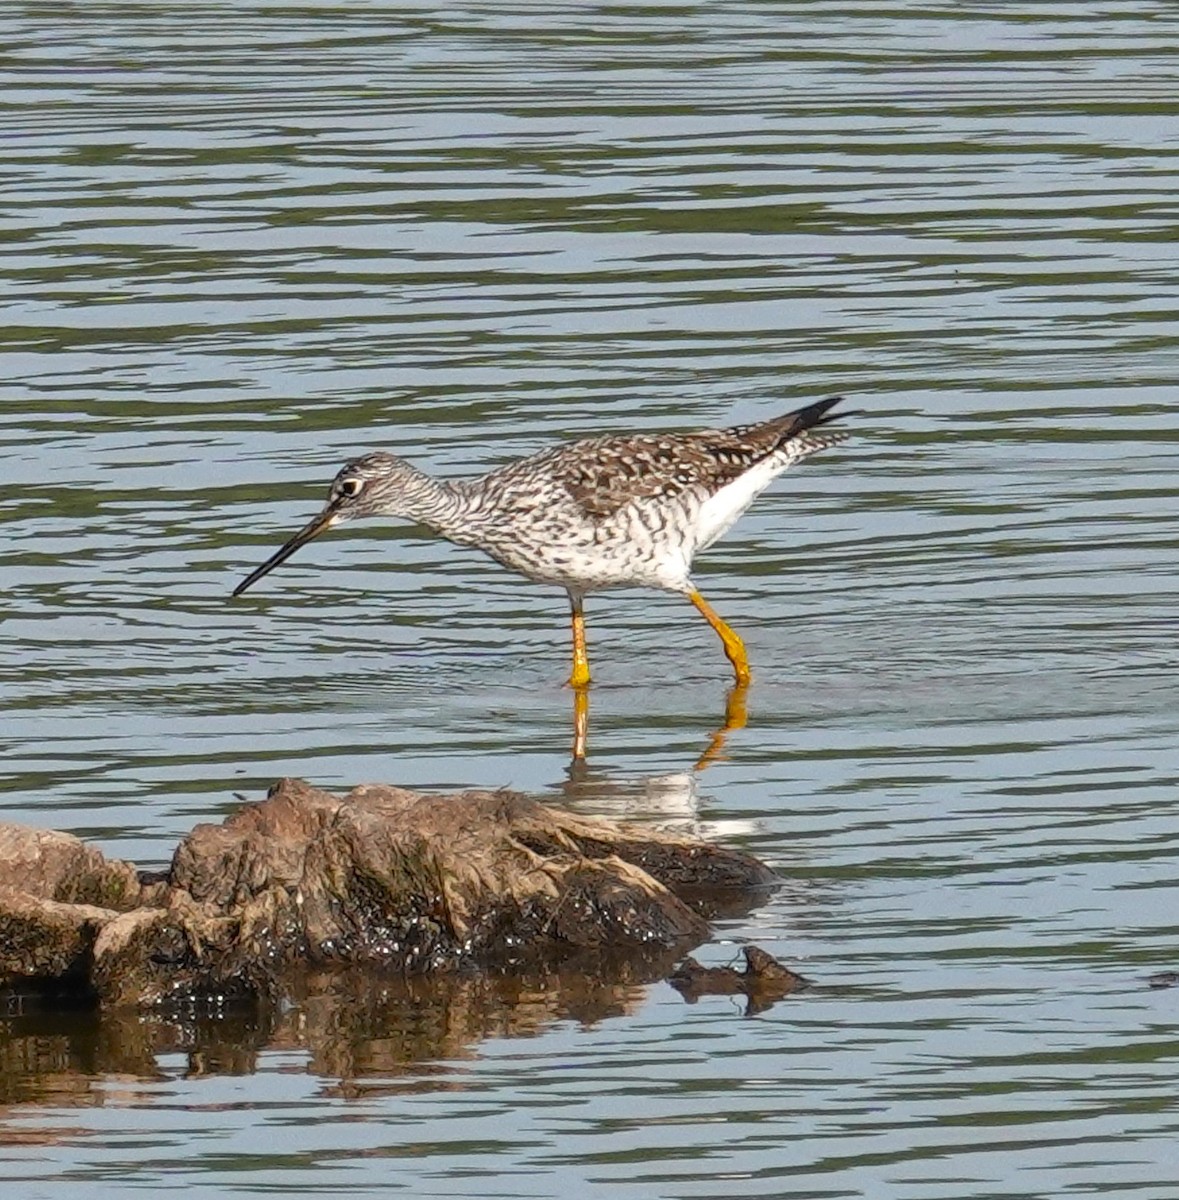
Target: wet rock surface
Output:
[{"x": 382, "y": 878}]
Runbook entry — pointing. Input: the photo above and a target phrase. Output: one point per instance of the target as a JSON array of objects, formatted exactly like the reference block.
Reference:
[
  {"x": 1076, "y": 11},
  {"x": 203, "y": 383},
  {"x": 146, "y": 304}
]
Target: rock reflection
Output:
[
  {"x": 365, "y": 1033},
  {"x": 53, "y": 1055},
  {"x": 380, "y": 1032}
]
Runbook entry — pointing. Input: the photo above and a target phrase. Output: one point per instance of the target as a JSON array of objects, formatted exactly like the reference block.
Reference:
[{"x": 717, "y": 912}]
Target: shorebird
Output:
[{"x": 629, "y": 510}]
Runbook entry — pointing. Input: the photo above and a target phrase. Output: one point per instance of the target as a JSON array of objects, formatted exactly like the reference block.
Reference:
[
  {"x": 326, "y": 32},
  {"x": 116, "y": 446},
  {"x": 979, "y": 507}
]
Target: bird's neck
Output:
[
  {"x": 426, "y": 501},
  {"x": 445, "y": 508}
]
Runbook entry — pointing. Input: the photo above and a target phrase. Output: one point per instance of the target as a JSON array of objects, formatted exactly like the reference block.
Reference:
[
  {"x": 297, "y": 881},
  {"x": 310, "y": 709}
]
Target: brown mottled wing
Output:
[{"x": 603, "y": 475}]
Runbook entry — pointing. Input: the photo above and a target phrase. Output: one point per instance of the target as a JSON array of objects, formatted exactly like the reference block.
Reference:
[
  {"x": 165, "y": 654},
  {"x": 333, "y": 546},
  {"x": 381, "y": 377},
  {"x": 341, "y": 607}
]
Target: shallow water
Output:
[{"x": 241, "y": 247}]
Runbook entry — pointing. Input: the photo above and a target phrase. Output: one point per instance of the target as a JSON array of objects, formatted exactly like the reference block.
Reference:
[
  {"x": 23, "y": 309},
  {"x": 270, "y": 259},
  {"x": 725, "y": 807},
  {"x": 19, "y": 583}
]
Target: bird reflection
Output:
[
  {"x": 670, "y": 800},
  {"x": 736, "y": 716}
]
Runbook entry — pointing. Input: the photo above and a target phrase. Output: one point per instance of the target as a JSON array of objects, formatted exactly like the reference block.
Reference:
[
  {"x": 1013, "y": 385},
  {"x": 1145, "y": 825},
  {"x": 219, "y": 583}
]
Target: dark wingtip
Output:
[
  {"x": 815, "y": 414},
  {"x": 802, "y": 420}
]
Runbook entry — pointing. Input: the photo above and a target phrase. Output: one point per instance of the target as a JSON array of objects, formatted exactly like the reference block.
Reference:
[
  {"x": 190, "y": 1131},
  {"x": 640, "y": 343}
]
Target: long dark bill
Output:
[{"x": 311, "y": 530}]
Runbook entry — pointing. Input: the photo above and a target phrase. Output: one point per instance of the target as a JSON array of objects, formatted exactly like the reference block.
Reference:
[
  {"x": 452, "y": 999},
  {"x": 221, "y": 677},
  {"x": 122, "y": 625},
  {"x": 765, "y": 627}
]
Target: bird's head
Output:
[
  {"x": 372, "y": 485},
  {"x": 369, "y": 486}
]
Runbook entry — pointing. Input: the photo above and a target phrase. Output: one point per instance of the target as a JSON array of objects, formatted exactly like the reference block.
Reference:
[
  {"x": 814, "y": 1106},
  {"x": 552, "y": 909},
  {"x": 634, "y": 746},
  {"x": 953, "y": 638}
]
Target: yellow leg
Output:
[
  {"x": 734, "y": 646},
  {"x": 581, "y": 672}
]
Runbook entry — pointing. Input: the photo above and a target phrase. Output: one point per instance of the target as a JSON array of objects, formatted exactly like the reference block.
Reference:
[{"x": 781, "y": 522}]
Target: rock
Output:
[
  {"x": 763, "y": 981},
  {"x": 56, "y": 893},
  {"x": 46, "y": 939},
  {"x": 58, "y": 866},
  {"x": 382, "y": 877}
]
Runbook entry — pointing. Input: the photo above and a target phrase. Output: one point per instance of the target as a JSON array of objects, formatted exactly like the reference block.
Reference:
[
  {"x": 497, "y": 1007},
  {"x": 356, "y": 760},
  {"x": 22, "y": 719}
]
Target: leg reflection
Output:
[
  {"x": 580, "y": 723},
  {"x": 736, "y": 714}
]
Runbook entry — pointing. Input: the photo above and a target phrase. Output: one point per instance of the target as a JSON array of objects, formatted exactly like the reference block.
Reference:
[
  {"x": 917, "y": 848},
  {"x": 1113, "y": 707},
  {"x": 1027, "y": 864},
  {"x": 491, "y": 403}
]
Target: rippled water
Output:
[{"x": 241, "y": 244}]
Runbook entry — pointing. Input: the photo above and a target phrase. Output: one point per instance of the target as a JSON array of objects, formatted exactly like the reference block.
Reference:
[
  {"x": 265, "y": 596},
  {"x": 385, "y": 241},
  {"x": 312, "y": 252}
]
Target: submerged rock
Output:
[
  {"x": 381, "y": 877},
  {"x": 763, "y": 981}
]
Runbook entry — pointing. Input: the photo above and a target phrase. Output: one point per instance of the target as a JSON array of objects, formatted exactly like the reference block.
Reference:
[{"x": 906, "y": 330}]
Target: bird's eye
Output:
[{"x": 351, "y": 487}]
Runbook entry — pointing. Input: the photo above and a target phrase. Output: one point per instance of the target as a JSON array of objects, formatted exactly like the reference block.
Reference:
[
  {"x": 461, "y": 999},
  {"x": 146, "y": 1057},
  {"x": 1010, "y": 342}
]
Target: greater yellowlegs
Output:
[{"x": 627, "y": 510}]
